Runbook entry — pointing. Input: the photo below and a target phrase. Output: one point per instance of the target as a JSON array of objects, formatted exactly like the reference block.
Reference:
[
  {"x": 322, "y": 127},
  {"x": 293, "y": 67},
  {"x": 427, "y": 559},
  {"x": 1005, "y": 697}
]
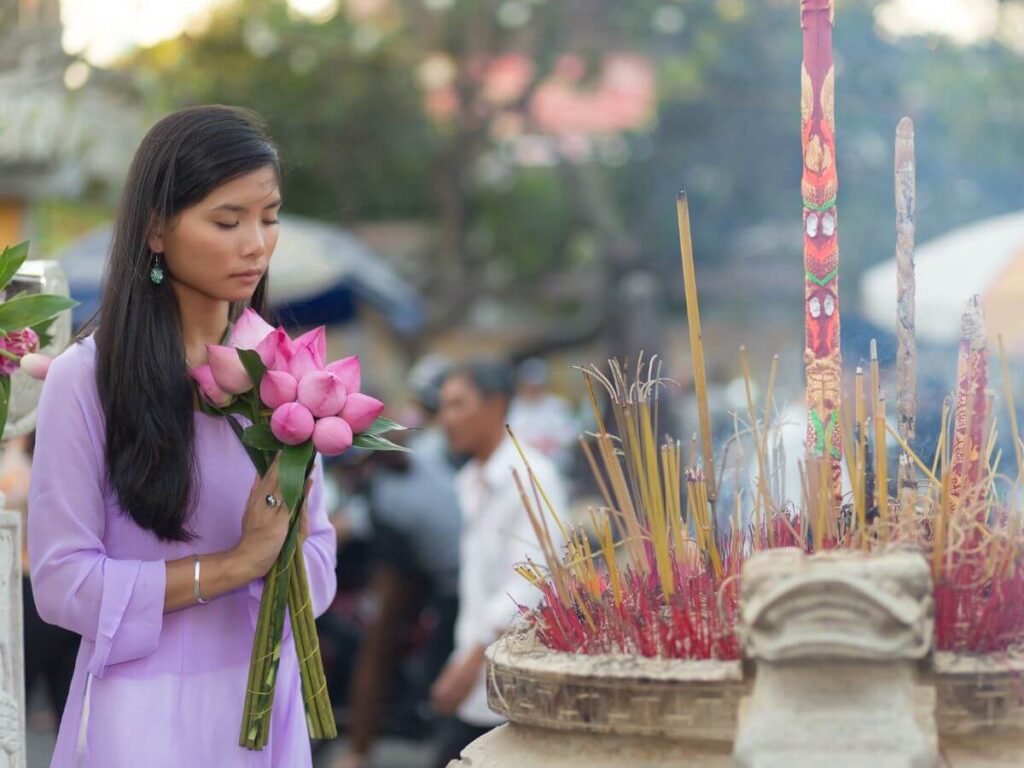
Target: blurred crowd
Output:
[{"x": 428, "y": 541}]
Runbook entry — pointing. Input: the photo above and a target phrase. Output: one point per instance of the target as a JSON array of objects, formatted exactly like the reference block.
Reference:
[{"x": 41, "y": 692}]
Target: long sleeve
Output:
[
  {"x": 319, "y": 550},
  {"x": 116, "y": 604}
]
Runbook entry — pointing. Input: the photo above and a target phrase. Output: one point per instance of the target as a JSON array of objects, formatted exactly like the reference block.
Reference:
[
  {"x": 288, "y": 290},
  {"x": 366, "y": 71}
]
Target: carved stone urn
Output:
[
  {"x": 602, "y": 711},
  {"x": 839, "y": 672}
]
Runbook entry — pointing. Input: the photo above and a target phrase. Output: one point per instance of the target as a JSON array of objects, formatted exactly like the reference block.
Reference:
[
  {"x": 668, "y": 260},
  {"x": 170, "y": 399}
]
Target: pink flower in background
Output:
[
  {"x": 278, "y": 388},
  {"x": 18, "y": 343},
  {"x": 361, "y": 411},
  {"x": 323, "y": 393},
  {"x": 292, "y": 424},
  {"x": 209, "y": 388},
  {"x": 36, "y": 365},
  {"x": 332, "y": 436},
  {"x": 227, "y": 369}
]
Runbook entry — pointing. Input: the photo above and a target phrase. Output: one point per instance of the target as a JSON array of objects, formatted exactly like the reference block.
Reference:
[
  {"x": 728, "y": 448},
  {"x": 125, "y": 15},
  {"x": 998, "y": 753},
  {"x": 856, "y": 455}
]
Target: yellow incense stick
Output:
[{"x": 696, "y": 343}]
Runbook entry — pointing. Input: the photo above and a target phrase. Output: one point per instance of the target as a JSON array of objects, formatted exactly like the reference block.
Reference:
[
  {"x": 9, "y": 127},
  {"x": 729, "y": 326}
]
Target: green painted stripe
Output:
[
  {"x": 823, "y": 281},
  {"x": 820, "y": 208}
]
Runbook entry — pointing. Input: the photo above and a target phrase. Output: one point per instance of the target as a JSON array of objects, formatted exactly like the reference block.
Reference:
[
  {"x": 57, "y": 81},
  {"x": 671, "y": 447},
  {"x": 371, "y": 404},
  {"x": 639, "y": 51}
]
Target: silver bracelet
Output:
[{"x": 195, "y": 582}]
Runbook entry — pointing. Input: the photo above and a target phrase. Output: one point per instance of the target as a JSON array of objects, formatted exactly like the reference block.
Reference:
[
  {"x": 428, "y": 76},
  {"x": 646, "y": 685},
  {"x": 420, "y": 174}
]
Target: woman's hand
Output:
[{"x": 264, "y": 527}]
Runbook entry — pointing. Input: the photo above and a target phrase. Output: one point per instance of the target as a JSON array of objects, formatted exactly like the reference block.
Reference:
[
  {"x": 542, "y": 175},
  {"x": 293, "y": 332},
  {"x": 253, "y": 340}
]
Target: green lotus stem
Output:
[
  {"x": 267, "y": 644},
  {"x": 257, "y": 668},
  {"x": 319, "y": 712},
  {"x": 299, "y": 633}
]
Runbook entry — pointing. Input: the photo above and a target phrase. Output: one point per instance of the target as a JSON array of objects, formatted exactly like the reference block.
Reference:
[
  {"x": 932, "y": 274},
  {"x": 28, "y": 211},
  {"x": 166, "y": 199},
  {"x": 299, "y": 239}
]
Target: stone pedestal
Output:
[
  {"x": 836, "y": 639},
  {"x": 980, "y": 709},
  {"x": 12, "y": 664}
]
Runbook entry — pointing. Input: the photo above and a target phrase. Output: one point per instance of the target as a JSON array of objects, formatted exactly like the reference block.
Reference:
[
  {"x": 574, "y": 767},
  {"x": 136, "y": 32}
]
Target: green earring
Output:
[{"x": 156, "y": 274}]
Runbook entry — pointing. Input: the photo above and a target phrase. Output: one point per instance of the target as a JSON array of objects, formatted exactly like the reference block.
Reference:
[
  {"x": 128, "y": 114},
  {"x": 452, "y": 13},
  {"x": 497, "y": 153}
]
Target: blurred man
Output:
[
  {"x": 496, "y": 535},
  {"x": 540, "y": 418}
]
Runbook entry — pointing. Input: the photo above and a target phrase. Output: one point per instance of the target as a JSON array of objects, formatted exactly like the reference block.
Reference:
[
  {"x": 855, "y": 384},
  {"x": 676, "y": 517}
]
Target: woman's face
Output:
[{"x": 220, "y": 248}]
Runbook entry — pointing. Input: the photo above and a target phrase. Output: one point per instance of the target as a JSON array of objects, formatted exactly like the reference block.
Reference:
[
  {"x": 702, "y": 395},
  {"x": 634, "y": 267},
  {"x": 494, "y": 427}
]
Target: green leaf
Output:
[
  {"x": 10, "y": 262},
  {"x": 253, "y": 365},
  {"x": 377, "y": 443},
  {"x": 262, "y": 437},
  {"x": 259, "y": 459},
  {"x": 5, "y": 400},
  {"x": 27, "y": 311},
  {"x": 43, "y": 332},
  {"x": 382, "y": 425},
  {"x": 292, "y": 471}
]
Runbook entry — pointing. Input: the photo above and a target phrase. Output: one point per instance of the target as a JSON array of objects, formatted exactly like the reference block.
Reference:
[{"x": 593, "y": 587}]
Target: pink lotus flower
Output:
[
  {"x": 209, "y": 388},
  {"x": 18, "y": 343},
  {"x": 299, "y": 357},
  {"x": 227, "y": 369},
  {"x": 323, "y": 393},
  {"x": 301, "y": 363},
  {"x": 249, "y": 330},
  {"x": 292, "y": 424},
  {"x": 275, "y": 344},
  {"x": 361, "y": 411},
  {"x": 36, "y": 365},
  {"x": 332, "y": 436},
  {"x": 349, "y": 371},
  {"x": 278, "y": 388},
  {"x": 316, "y": 342}
]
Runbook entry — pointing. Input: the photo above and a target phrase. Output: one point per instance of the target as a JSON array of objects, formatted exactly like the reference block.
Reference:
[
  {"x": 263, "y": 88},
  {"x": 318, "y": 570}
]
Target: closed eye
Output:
[
  {"x": 224, "y": 225},
  {"x": 272, "y": 221}
]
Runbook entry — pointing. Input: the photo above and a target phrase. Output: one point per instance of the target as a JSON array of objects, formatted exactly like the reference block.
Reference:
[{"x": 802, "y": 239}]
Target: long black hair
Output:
[{"x": 141, "y": 371}]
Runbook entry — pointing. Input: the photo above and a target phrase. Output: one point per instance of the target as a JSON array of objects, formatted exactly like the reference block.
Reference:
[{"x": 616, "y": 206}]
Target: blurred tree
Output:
[{"x": 473, "y": 114}]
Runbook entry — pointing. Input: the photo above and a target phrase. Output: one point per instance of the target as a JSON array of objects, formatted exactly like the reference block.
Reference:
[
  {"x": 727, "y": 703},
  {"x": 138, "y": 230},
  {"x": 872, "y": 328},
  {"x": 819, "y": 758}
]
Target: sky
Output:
[{"x": 104, "y": 29}]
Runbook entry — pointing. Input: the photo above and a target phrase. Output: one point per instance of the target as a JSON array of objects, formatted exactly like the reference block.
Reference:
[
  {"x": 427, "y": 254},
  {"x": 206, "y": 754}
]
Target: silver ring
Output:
[{"x": 272, "y": 501}]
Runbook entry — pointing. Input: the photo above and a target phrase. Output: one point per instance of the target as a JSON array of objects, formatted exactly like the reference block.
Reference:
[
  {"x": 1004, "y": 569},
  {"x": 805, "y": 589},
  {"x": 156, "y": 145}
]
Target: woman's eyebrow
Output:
[{"x": 236, "y": 208}]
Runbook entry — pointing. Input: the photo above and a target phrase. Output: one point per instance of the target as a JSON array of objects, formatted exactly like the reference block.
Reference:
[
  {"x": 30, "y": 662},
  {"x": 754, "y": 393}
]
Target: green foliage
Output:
[
  {"x": 260, "y": 436},
  {"x": 253, "y": 366},
  {"x": 292, "y": 470},
  {"x": 28, "y": 311},
  {"x": 11, "y": 260}
]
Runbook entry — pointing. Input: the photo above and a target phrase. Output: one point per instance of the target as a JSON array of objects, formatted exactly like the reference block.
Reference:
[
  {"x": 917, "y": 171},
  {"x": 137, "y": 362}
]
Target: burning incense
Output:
[
  {"x": 696, "y": 346},
  {"x": 881, "y": 455},
  {"x": 970, "y": 409},
  {"x": 906, "y": 355},
  {"x": 819, "y": 187}
]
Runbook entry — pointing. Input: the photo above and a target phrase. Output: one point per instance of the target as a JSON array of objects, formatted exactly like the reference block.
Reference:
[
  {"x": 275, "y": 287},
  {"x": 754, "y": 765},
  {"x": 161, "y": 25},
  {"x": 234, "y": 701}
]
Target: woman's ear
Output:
[{"x": 155, "y": 239}]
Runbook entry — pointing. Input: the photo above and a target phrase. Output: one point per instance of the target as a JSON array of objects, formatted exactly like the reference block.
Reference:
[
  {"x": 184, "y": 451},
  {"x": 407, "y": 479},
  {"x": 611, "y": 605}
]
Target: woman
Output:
[{"x": 149, "y": 531}]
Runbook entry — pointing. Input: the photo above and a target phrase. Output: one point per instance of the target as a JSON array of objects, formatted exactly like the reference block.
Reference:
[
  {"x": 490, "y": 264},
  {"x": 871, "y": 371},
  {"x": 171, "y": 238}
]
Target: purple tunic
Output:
[{"x": 153, "y": 689}]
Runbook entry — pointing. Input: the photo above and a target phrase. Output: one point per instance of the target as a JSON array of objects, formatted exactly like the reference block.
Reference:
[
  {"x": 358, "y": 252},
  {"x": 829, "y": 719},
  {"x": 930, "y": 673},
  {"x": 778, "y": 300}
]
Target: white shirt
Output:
[{"x": 496, "y": 536}]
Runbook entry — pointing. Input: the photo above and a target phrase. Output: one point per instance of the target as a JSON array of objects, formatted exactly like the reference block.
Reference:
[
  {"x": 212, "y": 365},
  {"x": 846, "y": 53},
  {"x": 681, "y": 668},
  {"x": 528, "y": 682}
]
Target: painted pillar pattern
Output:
[{"x": 819, "y": 188}]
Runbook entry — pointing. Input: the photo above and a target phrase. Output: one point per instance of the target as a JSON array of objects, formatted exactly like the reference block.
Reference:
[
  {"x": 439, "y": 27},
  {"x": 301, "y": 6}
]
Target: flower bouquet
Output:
[
  {"x": 296, "y": 405},
  {"x": 25, "y": 322}
]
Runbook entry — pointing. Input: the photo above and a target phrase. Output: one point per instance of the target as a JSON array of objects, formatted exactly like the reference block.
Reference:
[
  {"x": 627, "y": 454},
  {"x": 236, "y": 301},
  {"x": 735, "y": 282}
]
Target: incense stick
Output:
[
  {"x": 906, "y": 356},
  {"x": 696, "y": 343}
]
